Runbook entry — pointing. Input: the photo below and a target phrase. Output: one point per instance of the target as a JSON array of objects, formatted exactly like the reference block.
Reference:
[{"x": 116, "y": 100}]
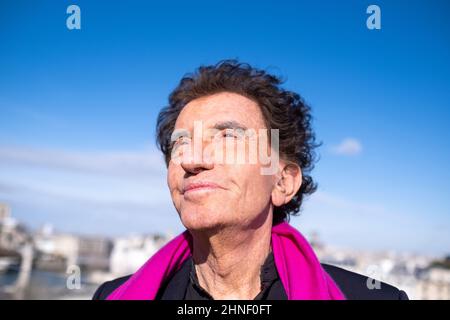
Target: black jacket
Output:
[{"x": 353, "y": 285}]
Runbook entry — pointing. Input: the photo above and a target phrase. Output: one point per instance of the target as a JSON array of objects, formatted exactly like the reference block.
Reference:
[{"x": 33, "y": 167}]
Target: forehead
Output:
[{"x": 224, "y": 106}]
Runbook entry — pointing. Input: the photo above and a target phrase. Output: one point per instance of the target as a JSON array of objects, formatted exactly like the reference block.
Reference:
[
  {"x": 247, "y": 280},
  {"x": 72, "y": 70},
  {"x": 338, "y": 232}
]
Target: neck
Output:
[{"x": 228, "y": 261}]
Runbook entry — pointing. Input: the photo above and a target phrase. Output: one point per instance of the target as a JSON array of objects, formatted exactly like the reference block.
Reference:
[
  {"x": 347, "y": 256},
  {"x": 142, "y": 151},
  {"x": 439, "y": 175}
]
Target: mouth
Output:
[{"x": 202, "y": 186}]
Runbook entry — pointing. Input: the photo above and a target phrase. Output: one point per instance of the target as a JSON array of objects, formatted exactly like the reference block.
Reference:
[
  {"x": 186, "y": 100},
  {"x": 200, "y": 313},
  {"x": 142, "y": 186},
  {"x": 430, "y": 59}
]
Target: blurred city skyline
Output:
[{"x": 78, "y": 110}]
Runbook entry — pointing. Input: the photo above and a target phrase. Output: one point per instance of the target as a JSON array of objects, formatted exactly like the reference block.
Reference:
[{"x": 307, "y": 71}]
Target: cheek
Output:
[
  {"x": 173, "y": 174},
  {"x": 257, "y": 189},
  {"x": 262, "y": 190},
  {"x": 170, "y": 179},
  {"x": 259, "y": 183}
]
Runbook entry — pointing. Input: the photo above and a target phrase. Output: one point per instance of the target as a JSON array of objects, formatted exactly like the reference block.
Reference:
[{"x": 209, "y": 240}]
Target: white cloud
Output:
[
  {"x": 341, "y": 203},
  {"x": 348, "y": 147},
  {"x": 101, "y": 190},
  {"x": 342, "y": 220},
  {"x": 109, "y": 162},
  {"x": 123, "y": 191},
  {"x": 111, "y": 176}
]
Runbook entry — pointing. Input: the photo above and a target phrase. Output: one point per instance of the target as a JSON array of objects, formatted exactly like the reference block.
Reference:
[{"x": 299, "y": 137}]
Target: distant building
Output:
[
  {"x": 13, "y": 235},
  {"x": 59, "y": 250},
  {"x": 434, "y": 284},
  {"x": 5, "y": 212},
  {"x": 94, "y": 253},
  {"x": 132, "y": 252},
  {"x": 55, "y": 251}
]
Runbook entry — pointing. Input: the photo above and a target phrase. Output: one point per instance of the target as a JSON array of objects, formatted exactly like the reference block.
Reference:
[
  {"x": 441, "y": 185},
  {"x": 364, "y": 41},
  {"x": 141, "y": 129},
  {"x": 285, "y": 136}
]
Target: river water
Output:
[{"x": 45, "y": 285}]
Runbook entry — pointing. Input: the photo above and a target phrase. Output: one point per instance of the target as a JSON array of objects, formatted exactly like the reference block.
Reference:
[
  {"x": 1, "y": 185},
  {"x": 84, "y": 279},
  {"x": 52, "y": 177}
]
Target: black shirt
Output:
[
  {"x": 353, "y": 285},
  {"x": 271, "y": 286}
]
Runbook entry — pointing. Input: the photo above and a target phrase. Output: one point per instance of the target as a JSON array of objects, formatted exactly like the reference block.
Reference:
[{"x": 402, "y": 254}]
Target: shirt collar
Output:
[{"x": 268, "y": 275}]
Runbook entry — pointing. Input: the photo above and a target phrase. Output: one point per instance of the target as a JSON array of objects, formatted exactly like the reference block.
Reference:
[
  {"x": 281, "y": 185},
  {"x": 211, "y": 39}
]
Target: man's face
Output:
[{"x": 211, "y": 194}]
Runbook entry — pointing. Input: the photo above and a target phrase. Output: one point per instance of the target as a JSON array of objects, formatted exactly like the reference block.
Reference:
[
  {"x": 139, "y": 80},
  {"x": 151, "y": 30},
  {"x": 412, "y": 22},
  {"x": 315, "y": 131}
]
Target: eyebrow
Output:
[
  {"x": 180, "y": 133},
  {"x": 231, "y": 124},
  {"x": 176, "y": 135}
]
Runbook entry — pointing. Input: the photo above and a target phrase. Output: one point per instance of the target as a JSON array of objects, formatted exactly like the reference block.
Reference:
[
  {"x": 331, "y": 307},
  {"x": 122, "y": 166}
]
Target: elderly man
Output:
[{"x": 234, "y": 191}]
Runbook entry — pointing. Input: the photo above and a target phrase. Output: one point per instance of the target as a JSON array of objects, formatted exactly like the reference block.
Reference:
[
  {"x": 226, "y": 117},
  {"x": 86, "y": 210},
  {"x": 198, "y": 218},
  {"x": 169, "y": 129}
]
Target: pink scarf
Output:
[{"x": 300, "y": 271}]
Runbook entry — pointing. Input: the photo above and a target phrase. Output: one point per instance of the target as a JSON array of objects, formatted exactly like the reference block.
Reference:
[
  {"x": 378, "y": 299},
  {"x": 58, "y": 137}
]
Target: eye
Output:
[
  {"x": 229, "y": 135},
  {"x": 184, "y": 140},
  {"x": 181, "y": 141}
]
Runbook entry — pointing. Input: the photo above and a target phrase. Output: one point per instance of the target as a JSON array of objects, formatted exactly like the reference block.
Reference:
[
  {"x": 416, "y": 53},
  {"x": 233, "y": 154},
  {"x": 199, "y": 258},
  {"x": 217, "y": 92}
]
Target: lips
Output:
[{"x": 199, "y": 185}]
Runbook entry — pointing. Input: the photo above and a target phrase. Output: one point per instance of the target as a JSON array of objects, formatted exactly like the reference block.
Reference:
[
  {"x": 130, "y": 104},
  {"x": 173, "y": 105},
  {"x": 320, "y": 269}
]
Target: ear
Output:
[{"x": 287, "y": 183}]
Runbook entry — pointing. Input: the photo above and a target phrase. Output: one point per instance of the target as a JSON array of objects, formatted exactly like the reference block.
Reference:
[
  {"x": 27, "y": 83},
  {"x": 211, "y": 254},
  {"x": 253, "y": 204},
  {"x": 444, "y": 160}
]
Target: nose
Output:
[
  {"x": 196, "y": 168},
  {"x": 197, "y": 163}
]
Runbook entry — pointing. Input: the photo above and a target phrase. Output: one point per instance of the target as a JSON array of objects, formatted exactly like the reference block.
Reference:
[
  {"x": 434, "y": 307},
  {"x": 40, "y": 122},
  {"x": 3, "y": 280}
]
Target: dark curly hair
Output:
[{"x": 282, "y": 109}]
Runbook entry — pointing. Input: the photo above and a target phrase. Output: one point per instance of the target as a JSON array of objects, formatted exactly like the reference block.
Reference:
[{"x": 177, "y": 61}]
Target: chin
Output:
[{"x": 197, "y": 221}]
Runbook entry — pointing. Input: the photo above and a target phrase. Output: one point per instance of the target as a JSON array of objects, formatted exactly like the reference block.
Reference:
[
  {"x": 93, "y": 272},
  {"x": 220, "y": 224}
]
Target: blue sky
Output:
[{"x": 78, "y": 110}]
